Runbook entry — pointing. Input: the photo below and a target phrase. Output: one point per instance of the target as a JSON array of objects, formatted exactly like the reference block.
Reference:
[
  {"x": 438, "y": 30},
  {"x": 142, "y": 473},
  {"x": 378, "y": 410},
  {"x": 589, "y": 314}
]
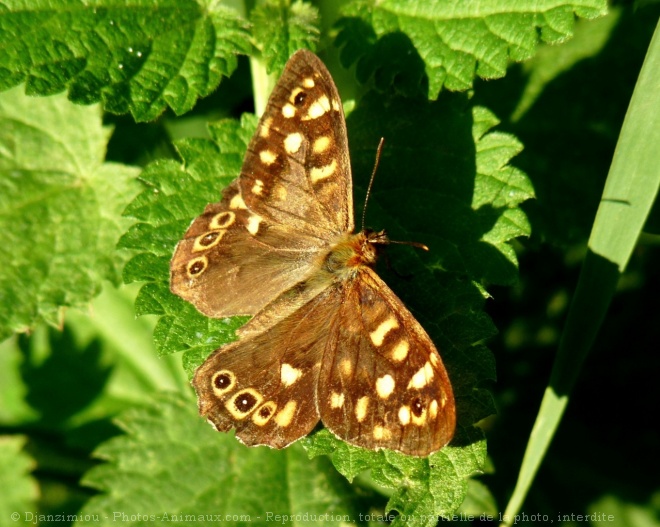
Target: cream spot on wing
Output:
[
  {"x": 264, "y": 131},
  {"x": 280, "y": 192},
  {"x": 378, "y": 335},
  {"x": 404, "y": 415},
  {"x": 288, "y": 110},
  {"x": 400, "y": 350},
  {"x": 346, "y": 367},
  {"x": 433, "y": 409},
  {"x": 321, "y": 144},
  {"x": 264, "y": 413},
  {"x": 318, "y": 108},
  {"x": 292, "y": 142},
  {"x": 267, "y": 157},
  {"x": 337, "y": 400},
  {"x": 285, "y": 415},
  {"x": 212, "y": 424},
  {"x": 335, "y": 105},
  {"x": 384, "y": 386},
  {"x": 237, "y": 202},
  {"x": 381, "y": 433},
  {"x": 308, "y": 82},
  {"x": 434, "y": 358},
  {"x": 258, "y": 187},
  {"x": 253, "y": 224},
  {"x": 318, "y": 173},
  {"x": 422, "y": 377},
  {"x": 361, "y": 408},
  {"x": 289, "y": 374}
]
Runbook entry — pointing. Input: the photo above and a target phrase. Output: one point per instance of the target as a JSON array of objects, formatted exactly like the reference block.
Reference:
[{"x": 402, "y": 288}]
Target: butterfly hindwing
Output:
[
  {"x": 264, "y": 385},
  {"x": 382, "y": 382}
]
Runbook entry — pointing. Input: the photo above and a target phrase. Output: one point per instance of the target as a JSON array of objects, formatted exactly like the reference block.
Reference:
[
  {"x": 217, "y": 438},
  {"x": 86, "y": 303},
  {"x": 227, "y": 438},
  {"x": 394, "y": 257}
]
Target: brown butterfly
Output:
[{"x": 328, "y": 340}]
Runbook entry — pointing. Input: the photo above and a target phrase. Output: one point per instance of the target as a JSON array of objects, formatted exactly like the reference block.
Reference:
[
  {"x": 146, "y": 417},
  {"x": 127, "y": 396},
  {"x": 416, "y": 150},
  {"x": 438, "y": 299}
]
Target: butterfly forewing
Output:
[
  {"x": 382, "y": 382},
  {"x": 292, "y": 197},
  {"x": 226, "y": 250},
  {"x": 297, "y": 170}
]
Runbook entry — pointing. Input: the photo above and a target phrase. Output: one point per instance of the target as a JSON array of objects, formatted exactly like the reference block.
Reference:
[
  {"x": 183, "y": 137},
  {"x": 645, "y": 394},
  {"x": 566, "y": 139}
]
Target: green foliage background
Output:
[{"x": 120, "y": 121}]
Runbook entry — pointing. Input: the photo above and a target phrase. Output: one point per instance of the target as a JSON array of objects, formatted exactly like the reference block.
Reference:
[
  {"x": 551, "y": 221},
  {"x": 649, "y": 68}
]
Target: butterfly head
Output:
[
  {"x": 376, "y": 237},
  {"x": 371, "y": 245}
]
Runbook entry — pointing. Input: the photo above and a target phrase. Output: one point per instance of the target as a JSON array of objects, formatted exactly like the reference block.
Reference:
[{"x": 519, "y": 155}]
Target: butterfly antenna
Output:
[
  {"x": 371, "y": 180},
  {"x": 385, "y": 240}
]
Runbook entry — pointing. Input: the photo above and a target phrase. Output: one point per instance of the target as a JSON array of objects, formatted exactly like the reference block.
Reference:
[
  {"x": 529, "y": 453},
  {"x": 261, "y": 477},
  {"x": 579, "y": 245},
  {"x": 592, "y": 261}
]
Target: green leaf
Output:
[
  {"x": 589, "y": 39},
  {"x": 139, "y": 58},
  {"x": 19, "y": 490},
  {"x": 533, "y": 103},
  {"x": 173, "y": 196},
  {"x": 102, "y": 363},
  {"x": 455, "y": 40},
  {"x": 609, "y": 508},
  {"x": 171, "y": 464},
  {"x": 469, "y": 174},
  {"x": 280, "y": 29},
  {"x": 480, "y": 502},
  {"x": 60, "y": 207},
  {"x": 15, "y": 409},
  {"x": 423, "y": 488}
]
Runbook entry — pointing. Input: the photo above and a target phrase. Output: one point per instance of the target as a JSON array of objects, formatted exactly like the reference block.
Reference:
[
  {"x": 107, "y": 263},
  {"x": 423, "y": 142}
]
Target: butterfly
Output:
[{"x": 328, "y": 339}]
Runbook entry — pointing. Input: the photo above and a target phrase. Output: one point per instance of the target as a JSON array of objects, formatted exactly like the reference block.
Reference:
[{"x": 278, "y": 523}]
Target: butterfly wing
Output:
[
  {"x": 230, "y": 263},
  {"x": 297, "y": 169},
  {"x": 382, "y": 383},
  {"x": 264, "y": 385},
  {"x": 291, "y": 200}
]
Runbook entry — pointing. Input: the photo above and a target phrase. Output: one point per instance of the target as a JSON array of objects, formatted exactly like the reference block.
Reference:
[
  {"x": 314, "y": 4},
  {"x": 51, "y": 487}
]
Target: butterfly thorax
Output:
[{"x": 351, "y": 252}]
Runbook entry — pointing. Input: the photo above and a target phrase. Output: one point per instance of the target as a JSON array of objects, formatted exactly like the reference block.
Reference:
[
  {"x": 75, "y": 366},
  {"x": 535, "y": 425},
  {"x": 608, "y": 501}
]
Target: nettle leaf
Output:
[
  {"x": 174, "y": 195},
  {"x": 60, "y": 208},
  {"x": 280, "y": 30},
  {"x": 451, "y": 41},
  {"x": 171, "y": 466},
  {"x": 424, "y": 488},
  {"x": 139, "y": 57},
  {"x": 19, "y": 489},
  {"x": 444, "y": 180}
]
